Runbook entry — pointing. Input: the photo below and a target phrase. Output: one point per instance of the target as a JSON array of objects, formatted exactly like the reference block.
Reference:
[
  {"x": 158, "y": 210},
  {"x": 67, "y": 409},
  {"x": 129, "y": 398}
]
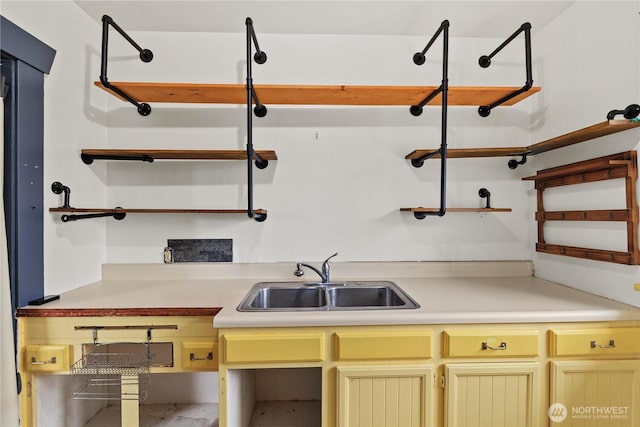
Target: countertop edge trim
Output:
[{"x": 116, "y": 312}]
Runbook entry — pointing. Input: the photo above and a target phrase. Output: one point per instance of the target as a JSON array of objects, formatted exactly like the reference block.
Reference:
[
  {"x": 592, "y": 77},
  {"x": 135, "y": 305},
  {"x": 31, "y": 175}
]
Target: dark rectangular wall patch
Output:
[{"x": 201, "y": 250}]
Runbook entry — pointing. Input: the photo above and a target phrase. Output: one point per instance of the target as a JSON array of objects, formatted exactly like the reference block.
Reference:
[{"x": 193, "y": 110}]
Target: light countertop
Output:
[{"x": 448, "y": 293}]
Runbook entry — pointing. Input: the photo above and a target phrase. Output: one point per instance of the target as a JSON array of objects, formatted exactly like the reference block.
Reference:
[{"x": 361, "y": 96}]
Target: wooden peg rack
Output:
[{"x": 617, "y": 166}]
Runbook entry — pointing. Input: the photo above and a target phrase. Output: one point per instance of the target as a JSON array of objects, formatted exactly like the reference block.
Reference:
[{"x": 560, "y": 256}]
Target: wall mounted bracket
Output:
[
  {"x": 260, "y": 110},
  {"x": 485, "y": 194},
  {"x": 89, "y": 158},
  {"x": 146, "y": 55},
  {"x": 513, "y": 163},
  {"x": 416, "y": 110},
  {"x": 74, "y": 217},
  {"x": 630, "y": 113},
  {"x": 59, "y": 188},
  {"x": 485, "y": 61}
]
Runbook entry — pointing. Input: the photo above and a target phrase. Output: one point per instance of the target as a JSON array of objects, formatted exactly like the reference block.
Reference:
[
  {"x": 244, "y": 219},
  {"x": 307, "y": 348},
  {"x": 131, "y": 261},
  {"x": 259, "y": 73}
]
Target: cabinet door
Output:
[
  {"x": 492, "y": 394},
  {"x": 595, "y": 393},
  {"x": 385, "y": 396}
]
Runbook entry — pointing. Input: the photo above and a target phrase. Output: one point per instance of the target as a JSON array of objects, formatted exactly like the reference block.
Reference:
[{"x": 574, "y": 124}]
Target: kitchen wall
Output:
[
  {"x": 341, "y": 176},
  {"x": 74, "y": 118},
  {"x": 588, "y": 64}
]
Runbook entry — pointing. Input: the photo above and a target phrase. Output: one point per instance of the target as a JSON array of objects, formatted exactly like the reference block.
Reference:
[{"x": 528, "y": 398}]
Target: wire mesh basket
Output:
[{"x": 113, "y": 371}]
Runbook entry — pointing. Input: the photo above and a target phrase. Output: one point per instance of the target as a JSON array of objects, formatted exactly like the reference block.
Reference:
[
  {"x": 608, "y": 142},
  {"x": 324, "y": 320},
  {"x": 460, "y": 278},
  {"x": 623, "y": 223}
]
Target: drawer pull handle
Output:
[
  {"x": 35, "y": 362},
  {"x": 502, "y": 346},
  {"x": 192, "y": 357},
  {"x": 612, "y": 344}
]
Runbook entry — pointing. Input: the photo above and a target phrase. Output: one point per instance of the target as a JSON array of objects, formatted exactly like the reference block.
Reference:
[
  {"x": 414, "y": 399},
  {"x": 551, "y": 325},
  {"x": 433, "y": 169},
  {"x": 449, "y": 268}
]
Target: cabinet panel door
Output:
[
  {"x": 492, "y": 394},
  {"x": 385, "y": 396},
  {"x": 604, "y": 393}
]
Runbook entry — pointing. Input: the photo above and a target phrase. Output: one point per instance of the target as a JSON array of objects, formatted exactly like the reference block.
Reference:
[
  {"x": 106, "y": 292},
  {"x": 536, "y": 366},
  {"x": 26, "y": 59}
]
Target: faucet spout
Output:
[{"x": 323, "y": 273}]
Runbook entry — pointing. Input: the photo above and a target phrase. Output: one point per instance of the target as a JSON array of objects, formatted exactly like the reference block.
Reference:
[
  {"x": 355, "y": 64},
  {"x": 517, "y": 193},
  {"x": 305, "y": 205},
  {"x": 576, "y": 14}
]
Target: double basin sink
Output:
[{"x": 352, "y": 295}]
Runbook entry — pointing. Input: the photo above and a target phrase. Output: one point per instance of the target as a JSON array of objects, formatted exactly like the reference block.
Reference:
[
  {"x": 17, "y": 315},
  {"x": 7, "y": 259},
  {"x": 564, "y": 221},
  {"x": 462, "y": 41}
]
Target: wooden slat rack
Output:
[
  {"x": 585, "y": 134},
  {"x": 617, "y": 166},
  {"x": 312, "y": 94}
]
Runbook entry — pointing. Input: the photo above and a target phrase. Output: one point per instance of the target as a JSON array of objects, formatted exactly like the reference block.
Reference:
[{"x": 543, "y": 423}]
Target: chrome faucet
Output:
[{"x": 324, "y": 274}]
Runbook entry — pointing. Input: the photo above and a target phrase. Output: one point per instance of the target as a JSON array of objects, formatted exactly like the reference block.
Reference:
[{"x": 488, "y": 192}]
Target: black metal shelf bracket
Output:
[
  {"x": 260, "y": 110},
  {"x": 417, "y": 163},
  {"x": 629, "y": 113},
  {"x": 416, "y": 110},
  {"x": 89, "y": 158},
  {"x": 74, "y": 217},
  {"x": 59, "y": 188},
  {"x": 513, "y": 163},
  {"x": 485, "y": 194},
  {"x": 485, "y": 61},
  {"x": 146, "y": 55}
]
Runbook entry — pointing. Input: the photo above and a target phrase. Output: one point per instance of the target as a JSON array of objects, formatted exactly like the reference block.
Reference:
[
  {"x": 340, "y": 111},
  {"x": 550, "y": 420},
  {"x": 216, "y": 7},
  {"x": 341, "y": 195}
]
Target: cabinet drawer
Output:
[
  {"x": 200, "y": 356},
  {"x": 484, "y": 343},
  {"x": 600, "y": 341},
  {"x": 256, "y": 348},
  {"x": 47, "y": 358},
  {"x": 382, "y": 345}
]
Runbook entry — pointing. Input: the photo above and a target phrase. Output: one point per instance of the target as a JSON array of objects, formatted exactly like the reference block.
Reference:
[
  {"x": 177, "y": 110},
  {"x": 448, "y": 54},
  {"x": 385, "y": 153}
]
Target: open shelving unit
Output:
[{"x": 416, "y": 97}]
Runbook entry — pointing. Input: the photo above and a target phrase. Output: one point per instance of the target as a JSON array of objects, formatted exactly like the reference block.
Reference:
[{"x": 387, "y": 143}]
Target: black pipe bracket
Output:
[
  {"x": 629, "y": 113},
  {"x": 513, "y": 163},
  {"x": 146, "y": 55},
  {"x": 75, "y": 217},
  {"x": 259, "y": 110},
  {"x": 416, "y": 110},
  {"x": 485, "y": 61},
  {"x": 88, "y": 159}
]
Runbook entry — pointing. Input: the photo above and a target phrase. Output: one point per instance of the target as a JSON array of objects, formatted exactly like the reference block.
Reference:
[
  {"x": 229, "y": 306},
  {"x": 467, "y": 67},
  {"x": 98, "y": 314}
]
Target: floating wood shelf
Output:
[
  {"x": 158, "y": 211},
  {"x": 436, "y": 210},
  {"x": 616, "y": 166},
  {"x": 595, "y": 131},
  {"x": 312, "y": 94},
  {"x": 176, "y": 154}
]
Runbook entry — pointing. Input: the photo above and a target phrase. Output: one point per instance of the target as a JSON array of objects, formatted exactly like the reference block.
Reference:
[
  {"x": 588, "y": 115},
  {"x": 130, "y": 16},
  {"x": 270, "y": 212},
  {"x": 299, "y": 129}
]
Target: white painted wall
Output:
[
  {"x": 74, "y": 118},
  {"x": 341, "y": 176},
  {"x": 587, "y": 61}
]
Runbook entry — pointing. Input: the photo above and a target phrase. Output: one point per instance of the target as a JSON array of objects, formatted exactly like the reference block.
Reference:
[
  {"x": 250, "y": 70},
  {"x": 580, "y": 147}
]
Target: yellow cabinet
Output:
[
  {"x": 492, "y": 394},
  {"x": 595, "y": 393},
  {"x": 385, "y": 396},
  {"x": 594, "y": 342}
]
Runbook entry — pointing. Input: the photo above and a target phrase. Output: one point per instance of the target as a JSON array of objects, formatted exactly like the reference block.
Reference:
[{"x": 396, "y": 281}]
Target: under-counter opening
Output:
[{"x": 274, "y": 397}]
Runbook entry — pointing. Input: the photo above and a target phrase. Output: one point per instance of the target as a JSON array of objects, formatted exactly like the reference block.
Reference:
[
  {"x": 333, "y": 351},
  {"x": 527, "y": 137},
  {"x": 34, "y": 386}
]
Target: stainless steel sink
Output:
[
  {"x": 279, "y": 297},
  {"x": 299, "y": 296}
]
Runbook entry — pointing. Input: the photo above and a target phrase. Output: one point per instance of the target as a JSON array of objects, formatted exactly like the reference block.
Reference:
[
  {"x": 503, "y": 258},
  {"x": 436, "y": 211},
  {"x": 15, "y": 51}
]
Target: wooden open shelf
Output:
[
  {"x": 595, "y": 131},
  {"x": 313, "y": 94},
  {"x": 436, "y": 210},
  {"x": 177, "y": 154},
  {"x": 616, "y": 166},
  {"x": 157, "y": 211}
]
